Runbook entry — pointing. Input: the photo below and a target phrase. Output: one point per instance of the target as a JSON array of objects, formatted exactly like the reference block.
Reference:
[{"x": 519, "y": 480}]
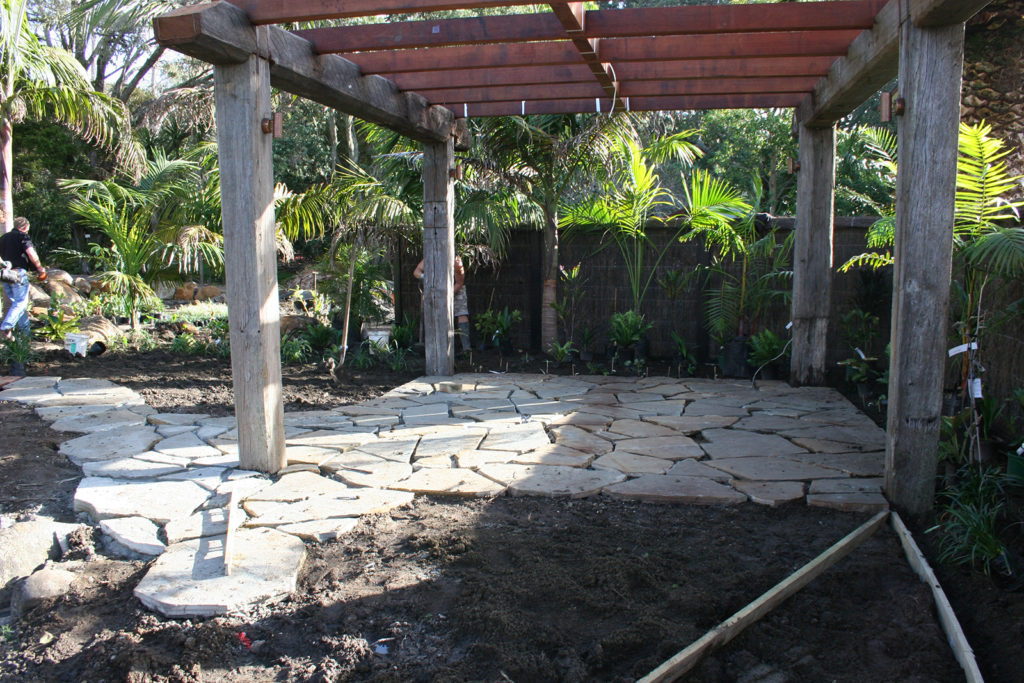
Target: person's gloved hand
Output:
[{"x": 42, "y": 274}]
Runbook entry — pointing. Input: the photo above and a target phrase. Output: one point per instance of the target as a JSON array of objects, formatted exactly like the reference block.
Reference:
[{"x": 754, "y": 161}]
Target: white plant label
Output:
[
  {"x": 976, "y": 387},
  {"x": 973, "y": 346}
]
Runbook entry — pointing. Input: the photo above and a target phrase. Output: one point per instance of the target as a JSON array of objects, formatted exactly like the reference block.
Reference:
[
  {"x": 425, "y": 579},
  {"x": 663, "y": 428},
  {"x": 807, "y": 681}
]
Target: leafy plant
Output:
[
  {"x": 398, "y": 359},
  {"x": 766, "y": 348},
  {"x": 567, "y": 307},
  {"x": 627, "y": 328},
  {"x": 560, "y": 352},
  {"x": 969, "y": 520},
  {"x": 17, "y": 348},
  {"x": 683, "y": 355},
  {"x": 497, "y": 325},
  {"x": 362, "y": 359},
  {"x": 55, "y": 324},
  {"x": 321, "y": 338},
  {"x": 200, "y": 312},
  {"x": 403, "y": 334},
  {"x": 295, "y": 349}
]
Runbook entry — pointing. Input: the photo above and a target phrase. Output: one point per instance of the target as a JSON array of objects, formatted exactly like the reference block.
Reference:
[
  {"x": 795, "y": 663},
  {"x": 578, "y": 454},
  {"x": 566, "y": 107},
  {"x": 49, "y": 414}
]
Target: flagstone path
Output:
[{"x": 161, "y": 483}]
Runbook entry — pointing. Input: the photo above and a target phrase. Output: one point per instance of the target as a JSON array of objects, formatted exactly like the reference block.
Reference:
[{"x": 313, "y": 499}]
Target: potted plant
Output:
[
  {"x": 503, "y": 323},
  {"x": 586, "y": 340},
  {"x": 561, "y": 352},
  {"x": 767, "y": 352},
  {"x": 17, "y": 352},
  {"x": 683, "y": 357},
  {"x": 627, "y": 330}
]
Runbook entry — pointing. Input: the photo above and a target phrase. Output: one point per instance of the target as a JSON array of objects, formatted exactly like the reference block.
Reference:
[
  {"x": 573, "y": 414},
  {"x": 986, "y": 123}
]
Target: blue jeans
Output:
[{"x": 17, "y": 314}]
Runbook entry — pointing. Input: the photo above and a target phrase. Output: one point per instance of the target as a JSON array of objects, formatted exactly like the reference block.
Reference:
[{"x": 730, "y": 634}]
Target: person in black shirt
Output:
[{"x": 16, "y": 247}]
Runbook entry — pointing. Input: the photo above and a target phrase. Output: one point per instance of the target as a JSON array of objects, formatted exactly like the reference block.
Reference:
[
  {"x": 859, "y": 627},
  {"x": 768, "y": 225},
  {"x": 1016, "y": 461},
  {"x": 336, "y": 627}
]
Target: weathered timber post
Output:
[
  {"x": 812, "y": 255},
  {"x": 438, "y": 255},
  {"x": 931, "y": 64},
  {"x": 242, "y": 93}
]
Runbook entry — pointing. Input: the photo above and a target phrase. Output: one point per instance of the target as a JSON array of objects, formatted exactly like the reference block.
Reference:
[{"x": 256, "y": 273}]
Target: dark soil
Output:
[{"x": 490, "y": 590}]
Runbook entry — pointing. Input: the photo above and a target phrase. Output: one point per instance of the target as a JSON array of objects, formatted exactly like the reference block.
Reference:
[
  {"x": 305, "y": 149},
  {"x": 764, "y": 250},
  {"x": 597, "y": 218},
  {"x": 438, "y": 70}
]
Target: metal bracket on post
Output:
[{"x": 273, "y": 125}]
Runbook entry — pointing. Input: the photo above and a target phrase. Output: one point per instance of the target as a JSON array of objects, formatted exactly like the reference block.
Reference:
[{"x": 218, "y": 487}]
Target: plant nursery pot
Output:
[
  {"x": 1015, "y": 468},
  {"x": 734, "y": 359},
  {"x": 17, "y": 369},
  {"x": 586, "y": 356},
  {"x": 641, "y": 348}
]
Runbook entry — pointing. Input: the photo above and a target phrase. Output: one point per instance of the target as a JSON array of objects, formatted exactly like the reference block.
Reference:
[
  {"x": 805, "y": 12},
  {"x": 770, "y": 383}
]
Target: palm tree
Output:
[
  {"x": 44, "y": 82},
  {"x": 543, "y": 158}
]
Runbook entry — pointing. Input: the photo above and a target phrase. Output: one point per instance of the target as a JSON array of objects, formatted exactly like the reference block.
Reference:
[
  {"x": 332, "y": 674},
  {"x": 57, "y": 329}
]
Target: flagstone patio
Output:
[{"x": 161, "y": 484}]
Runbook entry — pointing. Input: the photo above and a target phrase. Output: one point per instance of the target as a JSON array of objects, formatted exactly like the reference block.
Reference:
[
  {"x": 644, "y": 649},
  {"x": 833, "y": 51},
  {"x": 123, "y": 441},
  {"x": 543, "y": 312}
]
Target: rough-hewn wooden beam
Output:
[
  {"x": 220, "y": 33},
  {"x": 476, "y": 78},
  {"x": 749, "y": 67},
  {"x": 438, "y": 256},
  {"x": 669, "y": 103},
  {"x": 944, "y": 12},
  {"x": 468, "y": 57},
  {"x": 572, "y": 17}
]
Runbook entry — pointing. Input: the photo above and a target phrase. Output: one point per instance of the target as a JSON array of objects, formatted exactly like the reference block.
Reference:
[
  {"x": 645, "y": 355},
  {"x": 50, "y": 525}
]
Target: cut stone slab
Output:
[
  {"x": 317, "y": 419},
  {"x": 518, "y": 438},
  {"x": 578, "y": 439},
  {"x": 51, "y": 413},
  {"x": 205, "y": 523},
  {"x": 313, "y": 455},
  {"x": 692, "y": 468},
  {"x": 300, "y": 486},
  {"x": 109, "y": 445},
  {"x": 189, "y": 419},
  {"x": 630, "y": 463},
  {"x": 664, "y": 488},
  {"x": 759, "y": 421},
  {"x": 222, "y": 460},
  {"x": 553, "y": 454},
  {"x": 321, "y": 531},
  {"x": 129, "y": 468},
  {"x": 450, "y": 482},
  {"x": 330, "y": 438},
  {"x": 368, "y": 502},
  {"x": 731, "y": 443},
  {"x": 689, "y": 425},
  {"x": 543, "y": 406},
  {"x": 676, "y": 447},
  {"x": 381, "y": 474},
  {"x": 864, "y": 439},
  {"x": 135, "y": 533},
  {"x": 188, "y": 579},
  {"x": 474, "y": 459},
  {"x": 434, "y": 461},
  {"x": 772, "y": 469},
  {"x": 207, "y": 477},
  {"x": 771, "y": 493},
  {"x": 396, "y": 449},
  {"x": 849, "y": 502},
  {"x": 870, "y": 485},
  {"x": 670, "y": 407},
  {"x": 639, "y": 429},
  {"x": 432, "y": 413},
  {"x": 116, "y": 397},
  {"x": 826, "y": 445},
  {"x": 701, "y": 408},
  {"x": 449, "y": 441},
  {"x": 167, "y": 431},
  {"x": 552, "y": 482},
  {"x": 374, "y": 422},
  {"x": 186, "y": 445},
  {"x": 853, "y": 464},
  {"x": 98, "y": 422},
  {"x": 159, "y": 501},
  {"x": 164, "y": 459}
]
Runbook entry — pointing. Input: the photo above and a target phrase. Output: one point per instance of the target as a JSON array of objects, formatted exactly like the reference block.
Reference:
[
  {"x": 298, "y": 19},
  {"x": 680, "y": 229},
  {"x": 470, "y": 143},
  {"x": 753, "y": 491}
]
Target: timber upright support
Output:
[
  {"x": 438, "y": 255},
  {"x": 930, "y": 72},
  {"x": 812, "y": 256},
  {"x": 242, "y": 94}
]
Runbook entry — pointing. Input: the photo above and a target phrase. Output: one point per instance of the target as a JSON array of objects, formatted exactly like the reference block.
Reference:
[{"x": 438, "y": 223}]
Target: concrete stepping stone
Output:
[
  {"x": 730, "y": 443},
  {"x": 159, "y": 501},
  {"x": 313, "y": 455},
  {"x": 771, "y": 493},
  {"x": 432, "y": 413},
  {"x": 670, "y": 407},
  {"x": 368, "y": 502},
  {"x": 330, "y": 438},
  {"x": 111, "y": 444},
  {"x": 321, "y": 531},
  {"x": 690, "y": 425},
  {"x": 675, "y": 447},
  {"x": 853, "y": 464},
  {"x": 186, "y": 445},
  {"x": 553, "y": 454},
  {"x": 552, "y": 482},
  {"x": 578, "y": 439},
  {"x": 849, "y": 502},
  {"x": 631, "y": 463},
  {"x": 380, "y": 474},
  {"x": 204, "y": 523},
  {"x": 450, "y": 482},
  {"x": 692, "y": 468},
  {"x": 300, "y": 486},
  {"x": 474, "y": 459},
  {"x": 207, "y": 477},
  {"x": 664, "y": 488},
  {"x": 773, "y": 469},
  {"x": 639, "y": 428},
  {"x": 700, "y": 408},
  {"x": 129, "y": 468},
  {"x": 98, "y": 422},
  {"x": 449, "y": 441},
  {"x": 188, "y": 579},
  {"x": 399, "y": 449},
  {"x": 135, "y": 533},
  {"x": 179, "y": 419},
  {"x": 517, "y": 438},
  {"x": 867, "y": 485}
]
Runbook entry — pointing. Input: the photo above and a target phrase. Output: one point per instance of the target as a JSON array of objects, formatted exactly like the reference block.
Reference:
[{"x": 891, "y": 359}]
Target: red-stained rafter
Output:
[
  {"x": 656, "y": 21},
  {"x": 281, "y": 11},
  {"x": 782, "y": 100},
  {"x": 571, "y": 16}
]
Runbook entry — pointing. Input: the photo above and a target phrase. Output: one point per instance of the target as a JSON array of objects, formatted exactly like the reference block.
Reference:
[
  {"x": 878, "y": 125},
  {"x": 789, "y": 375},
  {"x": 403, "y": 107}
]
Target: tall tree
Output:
[{"x": 40, "y": 81}]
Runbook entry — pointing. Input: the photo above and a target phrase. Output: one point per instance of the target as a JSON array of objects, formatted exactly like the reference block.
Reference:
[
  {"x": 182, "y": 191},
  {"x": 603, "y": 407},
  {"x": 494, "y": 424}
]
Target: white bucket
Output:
[{"x": 77, "y": 343}]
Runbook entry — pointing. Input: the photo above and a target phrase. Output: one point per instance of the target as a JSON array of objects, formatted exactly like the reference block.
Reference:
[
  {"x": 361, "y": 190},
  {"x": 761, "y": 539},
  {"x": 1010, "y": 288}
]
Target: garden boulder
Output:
[{"x": 186, "y": 292}]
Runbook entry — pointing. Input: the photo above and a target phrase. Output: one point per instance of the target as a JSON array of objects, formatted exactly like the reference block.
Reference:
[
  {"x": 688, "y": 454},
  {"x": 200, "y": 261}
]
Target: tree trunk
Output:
[
  {"x": 6, "y": 165},
  {"x": 548, "y": 316}
]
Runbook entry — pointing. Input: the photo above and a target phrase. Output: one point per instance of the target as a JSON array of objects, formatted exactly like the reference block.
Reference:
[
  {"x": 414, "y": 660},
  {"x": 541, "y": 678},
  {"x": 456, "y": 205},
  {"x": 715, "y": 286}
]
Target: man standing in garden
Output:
[
  {"x": 17, "y": 248},
  {"x": 460, "y": 304}
]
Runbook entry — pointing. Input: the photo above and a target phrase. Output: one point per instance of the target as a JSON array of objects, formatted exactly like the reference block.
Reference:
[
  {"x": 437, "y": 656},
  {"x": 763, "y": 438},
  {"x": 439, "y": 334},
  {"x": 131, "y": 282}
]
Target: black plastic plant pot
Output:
[
  {"x": 734, "y": 359},
  {"x": 17, "y": 369}
]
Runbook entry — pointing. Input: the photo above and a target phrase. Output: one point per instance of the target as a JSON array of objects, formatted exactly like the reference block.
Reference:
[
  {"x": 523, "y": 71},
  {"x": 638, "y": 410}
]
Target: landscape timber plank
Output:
[
  {"x": 788, "y": 44},
  {"x": 421, "y": 81},
  {"x": 221, "y": 34},
  {"x": 751, "y": 67},
  {"x": 685, "y": 660},
  {"x": 947, "y": 617},
  {"x": 944, "y": 12},
  {"x": 468, "y": 57}
]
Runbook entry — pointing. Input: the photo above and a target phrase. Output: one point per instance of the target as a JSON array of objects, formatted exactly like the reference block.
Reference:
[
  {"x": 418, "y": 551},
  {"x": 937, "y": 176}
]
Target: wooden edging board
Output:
[
  {"x": 957, "y": 640},
  {"x": 683, "y": 661}
]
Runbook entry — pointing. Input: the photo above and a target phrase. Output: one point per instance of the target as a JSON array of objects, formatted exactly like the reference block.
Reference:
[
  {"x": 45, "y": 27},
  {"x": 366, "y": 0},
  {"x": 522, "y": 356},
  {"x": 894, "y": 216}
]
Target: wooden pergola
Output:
[{"x": 424, "y": 78}]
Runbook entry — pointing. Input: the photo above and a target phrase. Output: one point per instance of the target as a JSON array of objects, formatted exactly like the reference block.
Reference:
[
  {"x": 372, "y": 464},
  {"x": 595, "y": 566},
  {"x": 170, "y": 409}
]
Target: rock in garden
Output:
[{"x": 45, "y": 584}]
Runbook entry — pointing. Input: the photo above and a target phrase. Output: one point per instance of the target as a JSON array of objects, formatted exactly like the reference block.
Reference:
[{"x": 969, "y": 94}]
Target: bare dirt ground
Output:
[{"x": 518, "y": 589}]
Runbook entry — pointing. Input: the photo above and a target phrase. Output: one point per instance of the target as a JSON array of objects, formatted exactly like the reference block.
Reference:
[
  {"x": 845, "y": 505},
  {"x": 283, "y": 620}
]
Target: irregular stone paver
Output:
[
  {"x": 552, "y": 454},
  {"x": 518, "y": 438},
  {"x": 186, "y": 445},
  {"x": 309, "y": 454},
  {"x": 159, "y": 501},
  {"x": 667, "y": 447},
  {"x": 129, "y": 468},
  {"x": 771, "y": 493},
  {"x": 98, "y": 422},
  {"x": 398, "y": 449},
  {"x": 434, "y": 461},
  {"x": 51, "y": 413},
  {"x": 689, "y": 425},
  {"x": 425, "y": 414},
  {"x": 167, "y": 431},
  {"x": 731, "y": 443},
  {"x": 826, "y": 445},
  {"x": 450, "y": 441},
  {"x": 853, "y": 464},
  {"x": 317, "y": 419},
  {"x": 692, "y": 468},
  {"x": 630, "y": 463},
  {"x": 135, "y": 533},
  {"x": 849, "y": 502},
  {"x": 702, "y": 408},
  {"x": 668, "y": 407},
  {"x": 189, "y": 419},
  {"x": 869, "y": 485},
  {"x": 553, "y": 482},
  {"x": 381, "y": 474},
  {"x": 772, "y": 469},
  {"x": 221, "y": 460},
  {"x": 872, "y": 439},
  {"x": 450, "y": 482},
  {"x": 581, "y": 440},
  {"x": 300, "y": 486},
  {"x": 207, "y": 477},
  {"x": 473, "y": 459},
  {"x": 663, "y": 488},
  {"x": 321, "y": 530},
  {"x": 330, "y": 438},
  {"x": 164, "y": 459},
  {"x": 761, "y": 422},
  {"x": 109, "y": 445},
  {"x": 188, "y": 579},
  {"x": 366, "y": 502},
  {"x": 638, "y": 429},
  {"x": 204, "y": 523}
]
